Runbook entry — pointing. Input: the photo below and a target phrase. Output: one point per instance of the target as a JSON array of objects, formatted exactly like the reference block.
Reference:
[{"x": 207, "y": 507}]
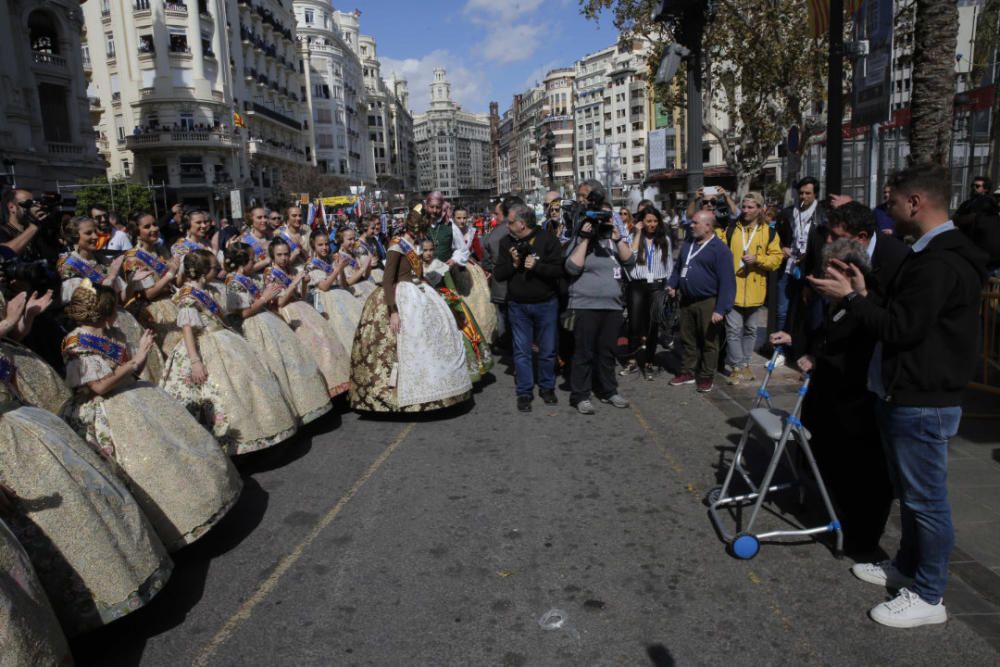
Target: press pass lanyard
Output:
[
  {"x": 749, "y": 240},
  {"x": 692, "y": 253}
]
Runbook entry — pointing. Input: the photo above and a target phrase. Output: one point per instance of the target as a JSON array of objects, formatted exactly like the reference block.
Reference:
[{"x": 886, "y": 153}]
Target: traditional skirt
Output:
[
  {"x": 241, "y": 402},
  {"x": 161, "y": 317},
  {"x": 478, "y": 355},
  {"x": 174, "y": 467},
  {"x": 343, "y": 311},
  {"x": 422, "y": 369},
  {"x": 29, "y": 631},
  {"x": 95, "y": 552},
  {"x": 130, "y": 327},
  {"x": 478, "y": 300},
  {"x": 363, "y": 288},
  {"x": 288, "y": 359},
  {"x": 319, "y": 337},
  {"x": 38, "y": 383},
  {"x": 376, "y": 276}
]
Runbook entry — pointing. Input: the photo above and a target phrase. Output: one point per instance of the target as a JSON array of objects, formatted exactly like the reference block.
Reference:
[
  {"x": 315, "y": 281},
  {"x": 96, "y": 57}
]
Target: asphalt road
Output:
[{"x": 490, "y": 537}]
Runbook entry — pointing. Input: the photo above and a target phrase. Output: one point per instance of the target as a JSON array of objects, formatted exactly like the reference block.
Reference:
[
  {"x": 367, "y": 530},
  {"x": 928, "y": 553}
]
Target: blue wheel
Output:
[{"x": 745, "y": 546}]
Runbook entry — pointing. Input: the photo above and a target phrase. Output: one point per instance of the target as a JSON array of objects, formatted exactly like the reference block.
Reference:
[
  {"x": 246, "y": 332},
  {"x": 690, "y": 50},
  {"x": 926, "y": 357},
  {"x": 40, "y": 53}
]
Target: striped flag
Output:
[
  {"x": 819, "y": 14},
  {"x": 238, "y": 120},
  {"x": 322, "y": 213},
  {"x": 311, "y": 215}
]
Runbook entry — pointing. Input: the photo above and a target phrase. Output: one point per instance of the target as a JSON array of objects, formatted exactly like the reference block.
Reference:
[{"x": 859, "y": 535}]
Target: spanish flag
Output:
[{"x": 238, "y": 120}]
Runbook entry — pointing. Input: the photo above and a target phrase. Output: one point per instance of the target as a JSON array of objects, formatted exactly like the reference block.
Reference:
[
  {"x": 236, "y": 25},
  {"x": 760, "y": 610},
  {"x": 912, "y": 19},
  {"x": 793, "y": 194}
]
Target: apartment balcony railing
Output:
[
  {"x": 264, "y": 149},
  {"x": 180, "y": 139},
  {"x": 60, "y": 148},
  {"x": 52, "y": 59}
]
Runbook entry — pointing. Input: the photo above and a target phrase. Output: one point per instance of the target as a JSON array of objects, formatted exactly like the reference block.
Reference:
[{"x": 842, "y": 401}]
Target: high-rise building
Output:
[
  {"x": 453, "y": 148},
  {"x": 45, "y": 131},
  {"x": 390, "y": 125},
  {"x": 557, "y": 119},
  {"x": 516, "y": 145},
  {"x": 199, "y": 97}
]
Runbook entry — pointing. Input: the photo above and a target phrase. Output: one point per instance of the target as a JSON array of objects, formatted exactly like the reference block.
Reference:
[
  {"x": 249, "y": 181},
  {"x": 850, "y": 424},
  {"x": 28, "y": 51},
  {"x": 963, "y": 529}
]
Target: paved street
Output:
[{"x": 447, "y": 542}]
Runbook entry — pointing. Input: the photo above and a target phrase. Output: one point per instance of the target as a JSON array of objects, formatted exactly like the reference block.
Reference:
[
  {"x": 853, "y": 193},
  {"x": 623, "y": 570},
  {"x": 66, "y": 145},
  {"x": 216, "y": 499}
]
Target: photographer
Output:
[
  {"x": 529, "y": 262},
  {"x": 26, "y": 217},
  {"x": 714, "y": 198},
  {"x": 597, "y": 260}
]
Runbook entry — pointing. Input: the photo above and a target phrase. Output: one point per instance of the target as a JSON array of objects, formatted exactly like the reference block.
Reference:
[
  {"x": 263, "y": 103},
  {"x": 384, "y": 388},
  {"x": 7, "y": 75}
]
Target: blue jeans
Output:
[
  {"x": 916, "y": 446},
  {"x": 534, "y": 323},
  {"x": 781, "y": 307}
]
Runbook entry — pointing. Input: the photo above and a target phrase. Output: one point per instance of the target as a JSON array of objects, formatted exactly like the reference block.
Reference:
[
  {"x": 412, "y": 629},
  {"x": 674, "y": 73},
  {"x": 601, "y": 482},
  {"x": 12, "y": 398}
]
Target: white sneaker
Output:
[
  {"x": 779, "y": 361},
  {"x": 883, "y": 573},
  {"x": 908, "y": 610}
]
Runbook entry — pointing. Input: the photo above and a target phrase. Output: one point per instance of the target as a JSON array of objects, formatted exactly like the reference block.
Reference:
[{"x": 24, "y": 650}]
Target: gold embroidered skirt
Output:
[
  {"x": 38, "y": 383},
  {"x": 319, "y": 337},
  {"x": 343, "y": 311},
  {"x": 130, "y": 327}
]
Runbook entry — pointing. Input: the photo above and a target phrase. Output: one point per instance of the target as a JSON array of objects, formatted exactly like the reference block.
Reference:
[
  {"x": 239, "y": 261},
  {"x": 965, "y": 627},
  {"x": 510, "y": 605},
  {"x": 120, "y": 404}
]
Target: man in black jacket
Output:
[
  {"x": 927, "y": 333},
  {"x": 802, "y": 232},
  {"x": 530, "y": 262}
]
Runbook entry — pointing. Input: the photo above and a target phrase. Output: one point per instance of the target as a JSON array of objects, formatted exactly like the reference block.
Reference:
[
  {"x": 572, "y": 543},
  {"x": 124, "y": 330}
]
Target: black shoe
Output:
[
  {"x": 548, "y": 396},
  {"x": 524, "y": 403}
]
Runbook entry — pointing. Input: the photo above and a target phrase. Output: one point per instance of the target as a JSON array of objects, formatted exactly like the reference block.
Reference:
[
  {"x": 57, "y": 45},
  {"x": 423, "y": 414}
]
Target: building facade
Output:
[
  {"x": 198, "y": 98},
  {"x": 390, "y": 125},
  {"x": 46, "y": 138},
  {"x": 557, "y": 117},
  {"x": 454, "y": 153}
]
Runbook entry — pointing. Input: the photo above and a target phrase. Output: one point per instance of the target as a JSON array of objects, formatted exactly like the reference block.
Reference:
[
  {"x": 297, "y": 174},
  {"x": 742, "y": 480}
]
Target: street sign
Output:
[{"x": 236, "y": 204}]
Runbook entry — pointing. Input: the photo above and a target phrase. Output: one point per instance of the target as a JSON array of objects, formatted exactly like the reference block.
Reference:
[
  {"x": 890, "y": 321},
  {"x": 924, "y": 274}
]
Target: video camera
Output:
[
  {"x": 34, "y": 275},
  {"x": 576, "y": 214}
]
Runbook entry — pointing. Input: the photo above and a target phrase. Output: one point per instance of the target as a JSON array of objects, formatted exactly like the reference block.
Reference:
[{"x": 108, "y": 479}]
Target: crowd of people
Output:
[{"x": 241, "y": 332}]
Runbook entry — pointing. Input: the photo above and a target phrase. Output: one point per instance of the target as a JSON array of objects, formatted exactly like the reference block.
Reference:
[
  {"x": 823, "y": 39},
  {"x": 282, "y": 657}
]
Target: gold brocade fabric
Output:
[
  {"x": 478, "y": 301},
  {"x": 94, "y": 550},
  {"x": 320, "y": 338},
  {"x": 161, "y": 316},
  {"x": 288, "y": 359},
  {"x": 128, "y": 325},
  {"x": 343, "y": 311},
  {"x": 241, "y": 402},
  {"x": 176, "y": 470},
  {"x": 373, "y": 356},
  {"x": 29, "y": 631},
  {"x": 37, "y": 382}
]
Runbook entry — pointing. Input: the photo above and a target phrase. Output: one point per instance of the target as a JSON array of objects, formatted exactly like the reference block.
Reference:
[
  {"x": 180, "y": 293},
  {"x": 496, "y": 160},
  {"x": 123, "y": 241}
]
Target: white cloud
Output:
[
  {"x": 505, "y": 11},
  {"x": 513, "y": 44},
  {"x": 538, "y": 74},
  {"x": 470, "y": 88}
]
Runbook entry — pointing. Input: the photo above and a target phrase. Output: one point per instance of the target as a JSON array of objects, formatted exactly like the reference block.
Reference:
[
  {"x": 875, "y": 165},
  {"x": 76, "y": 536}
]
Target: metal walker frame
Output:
[{"x": 780, "y": 427}]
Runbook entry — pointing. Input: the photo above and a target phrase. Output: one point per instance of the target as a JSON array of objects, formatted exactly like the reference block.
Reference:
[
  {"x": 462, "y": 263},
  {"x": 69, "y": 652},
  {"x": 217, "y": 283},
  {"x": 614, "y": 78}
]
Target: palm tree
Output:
[{"x": 935, "y": 36}]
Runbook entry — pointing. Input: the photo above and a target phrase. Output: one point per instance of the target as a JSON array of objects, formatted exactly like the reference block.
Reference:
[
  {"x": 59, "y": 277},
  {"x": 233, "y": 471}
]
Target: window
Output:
[
  {"x": 120, "y": 128},
  {"x": 187, "y": 120},
  {"x": 178, "y": 41},
  {"x": 158, "y": 172},
  {"x": 309, "y": 16},
  {"x": 55, "y": 112},
  {"x": 109, "y": 45},
  {"x": 192, "y": 170},
  {"x": 42, "y": 33},
  {"x": 126, "y": 168},
  {"x": 146, "y": 44}
]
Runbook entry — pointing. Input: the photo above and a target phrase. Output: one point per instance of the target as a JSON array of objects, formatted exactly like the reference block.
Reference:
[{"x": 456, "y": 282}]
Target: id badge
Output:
[
  {"x": 618, "y": 273},
  {"x": 684, "y": 272}
]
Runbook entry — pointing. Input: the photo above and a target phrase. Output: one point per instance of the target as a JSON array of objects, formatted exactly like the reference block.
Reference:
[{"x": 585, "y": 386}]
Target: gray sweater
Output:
[{"x": 593, "y": 285}]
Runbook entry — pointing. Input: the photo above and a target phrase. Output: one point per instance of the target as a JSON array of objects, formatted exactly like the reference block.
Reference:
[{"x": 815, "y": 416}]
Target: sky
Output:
[{"x": 491, "y": 49}]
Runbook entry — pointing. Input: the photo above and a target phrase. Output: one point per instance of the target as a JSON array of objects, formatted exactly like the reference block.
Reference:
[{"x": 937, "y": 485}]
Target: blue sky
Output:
[{"x": 491, "y": 49}]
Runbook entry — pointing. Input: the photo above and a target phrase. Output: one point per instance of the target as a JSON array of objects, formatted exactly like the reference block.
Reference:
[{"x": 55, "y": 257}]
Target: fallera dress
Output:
[
  {"x": 176, "y": 470},
  {"x": 338, "y": 305},
  {"x": 478, "y": 300},
  {"x": 316, "y": 334},
  {"x": 281, "y": 350},
  {"x": 143, "y": 270},
  {"x": 95, "y": 552},
  {"x": 73, "y": 269},
  {"x": 478, "y": 356},
  {"x": 40, "y": 384},
  {"x": 29, "y": 631},
  {"x": 424, "y": 367},
  {"x": 241, "y": 402}
]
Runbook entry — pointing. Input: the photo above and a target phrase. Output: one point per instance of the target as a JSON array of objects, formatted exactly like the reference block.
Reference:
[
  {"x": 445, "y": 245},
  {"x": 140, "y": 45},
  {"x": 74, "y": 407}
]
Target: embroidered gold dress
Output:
[
  {"x": 478, "y": 300},
  {"x": 241, "y": 402},
  {"x": 176, "y": 470},
  {"x": 143, "y": 270},
  {"x": 282, "y": 351},
  {"x": 338, "y": 305},
  {"x": 317, "y": 335},
  {"x": 478, "y": 356},
  {"x": 93, "y": 548},
  {"x": 29, "y": 631},
  {"x": 73, "y": 269},
  {"x": 40, "y": 384},
  {"x": 424, "y": 367}
]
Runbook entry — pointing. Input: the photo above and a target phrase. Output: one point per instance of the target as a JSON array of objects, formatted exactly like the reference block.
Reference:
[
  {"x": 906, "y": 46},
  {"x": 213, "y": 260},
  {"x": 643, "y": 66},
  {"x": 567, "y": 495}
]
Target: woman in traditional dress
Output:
[
  {"x": 408, "y": 355},
  {"x": 316, "y": 333},
  {"x": 94, "y": 550},
  {"x": 149, "y": 282},
  {"x": 280, "y": 349},
  {"x": 357, "y": 269},
  {"x": 341, "y": 308},
  {"x": 477, "y": 349},
  {"x": 29, "y": 631},
  {"x": 42, "y": 386},
  {"x": 258, "y": 237},
  {"x": 195, "y": 226},
  {"x": 175, "y": 468},
  {"x": 81, "y": 233},
  {"x": 216, "y": 373}
]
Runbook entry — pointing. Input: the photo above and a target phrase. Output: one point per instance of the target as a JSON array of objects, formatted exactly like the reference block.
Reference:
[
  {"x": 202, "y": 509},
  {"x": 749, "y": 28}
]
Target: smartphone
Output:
[{"x": 710, "y": 191}]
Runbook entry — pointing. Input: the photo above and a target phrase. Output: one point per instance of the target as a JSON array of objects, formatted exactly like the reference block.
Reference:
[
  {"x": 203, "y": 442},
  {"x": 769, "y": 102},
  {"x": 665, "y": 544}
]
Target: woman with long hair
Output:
[
  {"x": 216, "y": 373},
  {"x": 181, "y": 477},
  {"x": 408, "y": 355},
  {"x": 150, "y": 281},
  {"x": 279, "y": 348},
  {"x": 315, "y": 332},
  {"x": 80, "y": 233},
  {"x": 654, "y": 262}
]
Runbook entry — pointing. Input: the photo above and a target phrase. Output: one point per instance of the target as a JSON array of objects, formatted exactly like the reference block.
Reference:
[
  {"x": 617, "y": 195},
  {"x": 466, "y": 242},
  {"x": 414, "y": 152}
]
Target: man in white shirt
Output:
[{"x": 119, "y": 234}]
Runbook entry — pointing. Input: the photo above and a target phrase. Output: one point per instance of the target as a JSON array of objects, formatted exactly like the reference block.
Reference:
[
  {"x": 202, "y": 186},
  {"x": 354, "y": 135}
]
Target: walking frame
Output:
[{"x": 781, "y": 428}]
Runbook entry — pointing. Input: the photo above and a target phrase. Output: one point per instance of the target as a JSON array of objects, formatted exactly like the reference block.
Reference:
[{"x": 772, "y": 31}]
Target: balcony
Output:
[
  {"x": 48, "y": 59},
  {"x": 261, "y": 148},
  {"x": 141, "y": 9},
  {"x": 256, "y": 110},
  {"x": 204, "y": 139},
  {"x": 59, "y": 148},
  {"x": 178, "y": 9}
]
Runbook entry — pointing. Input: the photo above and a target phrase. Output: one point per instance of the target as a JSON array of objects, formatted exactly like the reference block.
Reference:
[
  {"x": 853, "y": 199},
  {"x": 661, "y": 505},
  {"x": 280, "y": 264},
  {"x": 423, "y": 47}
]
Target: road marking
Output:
[{"x": 286, "y": 563}]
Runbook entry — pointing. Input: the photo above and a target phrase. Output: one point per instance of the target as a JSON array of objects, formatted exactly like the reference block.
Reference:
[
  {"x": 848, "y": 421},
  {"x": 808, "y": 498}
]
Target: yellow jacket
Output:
[{"x": 751, "y": 281}]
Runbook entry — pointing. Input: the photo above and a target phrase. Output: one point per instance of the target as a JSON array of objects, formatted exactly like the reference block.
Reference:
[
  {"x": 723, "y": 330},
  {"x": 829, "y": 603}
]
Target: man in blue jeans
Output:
[
  {"x": 530, "y": 263},
  {"x": 926, "y": 354}
]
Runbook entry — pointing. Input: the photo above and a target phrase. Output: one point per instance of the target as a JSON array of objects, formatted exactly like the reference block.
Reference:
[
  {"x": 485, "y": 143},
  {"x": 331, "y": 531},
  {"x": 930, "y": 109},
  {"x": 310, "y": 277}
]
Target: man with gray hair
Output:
[{"x": 530, "y": 263}]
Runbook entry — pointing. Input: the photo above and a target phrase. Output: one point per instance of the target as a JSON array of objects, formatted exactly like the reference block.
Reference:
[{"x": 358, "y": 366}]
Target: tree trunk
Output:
[{"x": 935, "y": 36}]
